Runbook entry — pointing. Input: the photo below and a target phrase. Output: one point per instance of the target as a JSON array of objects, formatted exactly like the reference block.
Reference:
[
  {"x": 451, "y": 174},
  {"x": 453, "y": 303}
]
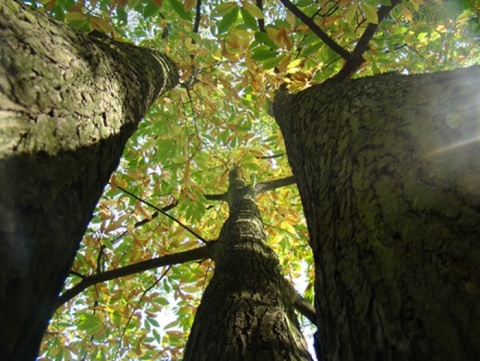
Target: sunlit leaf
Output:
[
  {"x": 370, "y": 13},
  {"x": 228, "y": 20},
  {"x": 253, "y": 9},
  {"x": 180, "y": 10}
]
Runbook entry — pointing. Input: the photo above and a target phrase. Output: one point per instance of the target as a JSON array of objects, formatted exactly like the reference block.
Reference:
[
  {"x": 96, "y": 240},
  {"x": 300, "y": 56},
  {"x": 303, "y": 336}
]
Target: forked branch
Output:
[
  {"x": 332, "y": 44},
  {"x": 171, "y": 259},
  {"x": 351, "y": 66},
  {"x": 188, "y": 229}
]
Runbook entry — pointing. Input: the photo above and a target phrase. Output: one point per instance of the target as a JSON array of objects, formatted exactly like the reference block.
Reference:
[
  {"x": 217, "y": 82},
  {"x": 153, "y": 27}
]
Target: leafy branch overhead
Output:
[
  {"x": 160, "y": 208},
  {"x": 195, "y": 254},
  {"x": 172, "y": 259}
]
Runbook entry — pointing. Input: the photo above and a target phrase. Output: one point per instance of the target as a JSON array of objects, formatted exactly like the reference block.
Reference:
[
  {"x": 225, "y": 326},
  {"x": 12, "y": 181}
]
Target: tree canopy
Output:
[{"x": 232, "y": 56}]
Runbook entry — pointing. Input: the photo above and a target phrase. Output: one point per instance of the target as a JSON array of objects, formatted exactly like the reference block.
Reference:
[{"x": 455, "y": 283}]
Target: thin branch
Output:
[
  {"x": 277, "y": 183},
  {"x": 75, "y": 273},
  {"x": 270, "y": 156},
  {"x": 157, "y": 281},
  {"x": 215, "y": 197},
  {"x": 198, "y": 14},
  {"x": 371, "y": 29},
  {"x": 261, "y": 22},
  {"x": 164, "y": 213},
  {"x": 171, "y": 259},
  {"x": 332, "y": 44},
  {"x": 138, "y": 224}
]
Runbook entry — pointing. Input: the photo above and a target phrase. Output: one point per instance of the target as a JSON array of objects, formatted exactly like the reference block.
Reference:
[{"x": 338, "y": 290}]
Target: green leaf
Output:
[
  {"x": 170, "y": 325},
  {"x": 263, "y": 54},
  {"x": 248, "y": 19},
  {"x": 180, "y": 10},
  {"x": 272, "y": 63},
  {"x": 263, "y": 38},
  {"x": 122, "y": 14},
  {"x": 89, "y": 323},
  {"x": 253, "y": 10},
  {"x": 228, "y": 21},
  {"x": 162, "y": 301},
  {"x": 152, "y": 321},
  {"x": 224, "y": 8},
  {"x": 150, "y": 9},
  {"x": 312, "y": 49},
  {"x": 370, "y": 13}
]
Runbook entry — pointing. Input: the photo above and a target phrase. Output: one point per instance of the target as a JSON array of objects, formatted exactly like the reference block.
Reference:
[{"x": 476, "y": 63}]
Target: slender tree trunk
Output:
[
  {"x": 389, "y": 174},
  {"x": 68, "y": 104},
  {"x": 246, "y": 311}
]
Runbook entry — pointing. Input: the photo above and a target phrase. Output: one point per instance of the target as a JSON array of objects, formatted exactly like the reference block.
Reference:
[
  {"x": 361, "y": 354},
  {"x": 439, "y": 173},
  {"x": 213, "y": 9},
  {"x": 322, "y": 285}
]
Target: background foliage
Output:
[{"x": 231, "y": 56}]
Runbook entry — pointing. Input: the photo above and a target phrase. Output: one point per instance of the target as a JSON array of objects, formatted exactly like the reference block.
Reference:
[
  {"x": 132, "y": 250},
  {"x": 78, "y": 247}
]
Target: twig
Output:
[
  {"x": 270, "y": 156},
  {"x": 171, "y": 259}
]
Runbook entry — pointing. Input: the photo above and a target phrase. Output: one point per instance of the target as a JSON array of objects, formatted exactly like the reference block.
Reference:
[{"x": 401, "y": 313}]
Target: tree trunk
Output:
[
  {"x": 389, "y": 175},
  {"x": 68, "y": 104},
  {"x": 246, "y": 311}
]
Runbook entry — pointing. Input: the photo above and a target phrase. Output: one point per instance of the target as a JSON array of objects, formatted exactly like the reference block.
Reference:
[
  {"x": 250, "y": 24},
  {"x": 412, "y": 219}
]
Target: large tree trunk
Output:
[
  {"x": 389, "y": 174},
  {"x": 68, "y": 104},
  {"x": 247, "y": 311}
]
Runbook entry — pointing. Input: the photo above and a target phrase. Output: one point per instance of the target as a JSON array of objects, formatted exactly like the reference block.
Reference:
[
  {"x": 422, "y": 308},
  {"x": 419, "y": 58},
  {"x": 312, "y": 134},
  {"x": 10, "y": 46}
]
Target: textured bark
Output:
[
  {"x": 247, "y": 310},
  {"x": 389, "y": 175},
  {"x": 68, "y": 103}
]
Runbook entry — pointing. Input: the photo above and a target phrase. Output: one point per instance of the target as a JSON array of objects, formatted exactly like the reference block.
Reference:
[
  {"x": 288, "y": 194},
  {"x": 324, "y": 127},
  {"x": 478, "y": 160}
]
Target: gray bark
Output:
[
  {"x": 389, "y": 175},
  {"x": 247, "y": 310},
  {"x": 68, "y": 104}
]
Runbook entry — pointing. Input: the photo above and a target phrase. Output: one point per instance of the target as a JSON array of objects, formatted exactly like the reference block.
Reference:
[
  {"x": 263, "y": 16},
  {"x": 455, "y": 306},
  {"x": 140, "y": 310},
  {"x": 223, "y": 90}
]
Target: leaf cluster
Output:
[{"x": 232, "y": 56}]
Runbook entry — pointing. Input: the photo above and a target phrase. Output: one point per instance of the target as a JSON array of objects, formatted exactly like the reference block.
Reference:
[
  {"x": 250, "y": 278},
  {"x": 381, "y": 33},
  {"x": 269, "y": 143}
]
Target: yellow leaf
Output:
[
  {"x": 350, "y": 13},
  {"x": 224, "y": 8},
  {"x": 370, "y": 13},
  {"x": 253, "y": 10},
  {"x": 101, "y": 24},
  {"x": 186, "y": 173},
  {"x": 407, "y": 14},
  {"x": 113, "y": 226},
  {"x": 143, "y": 237},
  {"x": 189, "y": 4},
  {"x": 294, "y": 64},
  {"x": 75, "y": 16}
]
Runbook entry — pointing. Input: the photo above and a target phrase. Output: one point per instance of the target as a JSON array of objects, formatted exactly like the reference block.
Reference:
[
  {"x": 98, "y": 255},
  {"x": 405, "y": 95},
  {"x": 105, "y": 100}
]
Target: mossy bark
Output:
[
  {"x": 247, "y": 310},
  {"x": 389, "y": 175},
  {"x": 68, "y": 104}
]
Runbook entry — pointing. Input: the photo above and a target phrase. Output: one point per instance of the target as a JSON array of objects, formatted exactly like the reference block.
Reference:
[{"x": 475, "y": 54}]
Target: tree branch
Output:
[
  {"x": 198, "y": 14},
  {"x": 270, "y": 156},
  {"x": 261, "y": 22},
  {"x": 305, "y": 308},
  {"x": 171, "y": 259},
  {"x": 138, "y": 224},
  {"x": 164, "y": 213},
  {"x": 371, "y": 29},
  {"x": 277, "y": 183},
  {"x": 353, "y": 65},
  {"x": 317, "y": 31},
  {"x": 215, "y": 197}
]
